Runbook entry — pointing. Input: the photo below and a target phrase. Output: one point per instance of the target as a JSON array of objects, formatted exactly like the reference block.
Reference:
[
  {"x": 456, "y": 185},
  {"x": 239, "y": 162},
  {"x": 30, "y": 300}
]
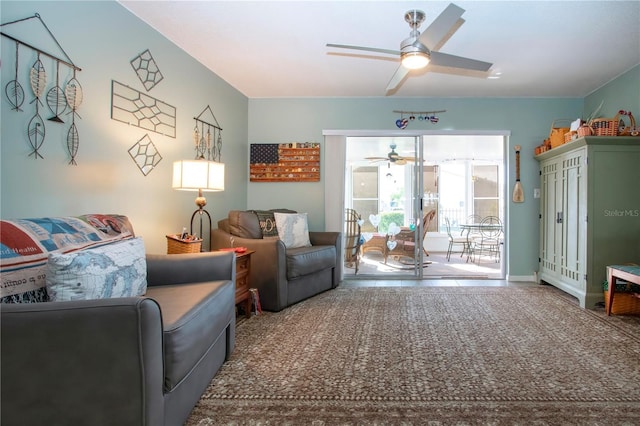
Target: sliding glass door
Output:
[
  {"x": 411, "y": 192},
  {"x": 383, "y": 185}
]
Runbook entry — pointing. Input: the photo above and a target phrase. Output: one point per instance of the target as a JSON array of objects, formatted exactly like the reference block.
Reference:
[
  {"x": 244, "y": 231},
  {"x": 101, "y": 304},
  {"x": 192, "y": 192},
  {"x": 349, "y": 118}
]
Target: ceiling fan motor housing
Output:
[
  {"x": 412, "y": 46},
  {"x": 414, "y": 17}
]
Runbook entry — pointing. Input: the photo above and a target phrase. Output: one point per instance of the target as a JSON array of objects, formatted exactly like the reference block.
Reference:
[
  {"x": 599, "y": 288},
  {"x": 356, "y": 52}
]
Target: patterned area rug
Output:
[{"x": 430, "y": 356}]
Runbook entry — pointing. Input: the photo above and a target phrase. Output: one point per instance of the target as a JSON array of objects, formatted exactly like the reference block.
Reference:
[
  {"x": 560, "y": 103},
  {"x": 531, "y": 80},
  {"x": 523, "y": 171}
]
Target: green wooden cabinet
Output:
[{"x": 589, "y": 213}]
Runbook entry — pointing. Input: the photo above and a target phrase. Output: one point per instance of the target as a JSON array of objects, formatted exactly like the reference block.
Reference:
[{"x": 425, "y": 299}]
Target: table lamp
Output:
[{"x": 198, "y": 175}]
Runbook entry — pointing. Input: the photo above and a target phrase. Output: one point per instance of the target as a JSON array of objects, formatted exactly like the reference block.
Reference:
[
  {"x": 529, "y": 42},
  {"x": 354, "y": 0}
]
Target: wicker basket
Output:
[
  {"x": 569, "y": 136},
  {"x": 584, "y": 130},
  {"x": 556, "y": 136},
  {"x": 623, "y": 303},
  {"x": 177, "y": 246},
  {"x": 605, "y": 126}
]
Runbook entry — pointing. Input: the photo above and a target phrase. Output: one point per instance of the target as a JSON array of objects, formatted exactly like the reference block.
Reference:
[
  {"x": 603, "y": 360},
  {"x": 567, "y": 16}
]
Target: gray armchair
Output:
[{"x": 282, "y": 276}]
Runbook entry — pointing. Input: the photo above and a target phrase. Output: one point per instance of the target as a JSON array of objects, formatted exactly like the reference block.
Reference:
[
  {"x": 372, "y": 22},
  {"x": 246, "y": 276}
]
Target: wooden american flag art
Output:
[{"x": 284, "y": 162}]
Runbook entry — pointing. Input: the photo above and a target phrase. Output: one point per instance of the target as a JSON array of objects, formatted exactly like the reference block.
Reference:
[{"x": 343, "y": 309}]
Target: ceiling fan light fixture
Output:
[{"x": 414, "y": 60}]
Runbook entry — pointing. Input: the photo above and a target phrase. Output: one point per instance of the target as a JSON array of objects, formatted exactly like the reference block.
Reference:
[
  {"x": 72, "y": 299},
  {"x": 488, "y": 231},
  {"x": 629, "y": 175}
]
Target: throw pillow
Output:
[
  {"x": 267, "y": 223},
  {"x": 27, "y": 243},
  {"x": 293, "y": 229},
  {"x": 113, "y": 270}
]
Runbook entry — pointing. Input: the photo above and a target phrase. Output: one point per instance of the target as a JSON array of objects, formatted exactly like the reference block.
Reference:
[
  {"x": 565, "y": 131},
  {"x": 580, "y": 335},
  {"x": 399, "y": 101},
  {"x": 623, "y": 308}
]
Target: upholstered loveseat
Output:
[
  {"x": 283, "y": 275},
  {"x": 137, "y": 360}
]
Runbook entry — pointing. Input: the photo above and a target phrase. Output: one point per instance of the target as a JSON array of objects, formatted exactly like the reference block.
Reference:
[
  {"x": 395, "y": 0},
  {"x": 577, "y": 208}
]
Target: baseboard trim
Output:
[{"x": 522, "y": 278}]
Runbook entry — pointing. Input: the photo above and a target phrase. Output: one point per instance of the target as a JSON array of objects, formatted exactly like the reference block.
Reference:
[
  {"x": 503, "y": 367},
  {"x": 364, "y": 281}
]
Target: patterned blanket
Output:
[{"x": 25, "y": 245}]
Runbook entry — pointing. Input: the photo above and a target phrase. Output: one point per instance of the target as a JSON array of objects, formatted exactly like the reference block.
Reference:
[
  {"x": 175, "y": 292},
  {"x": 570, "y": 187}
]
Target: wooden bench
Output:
[{"x": 624, "y": 272}]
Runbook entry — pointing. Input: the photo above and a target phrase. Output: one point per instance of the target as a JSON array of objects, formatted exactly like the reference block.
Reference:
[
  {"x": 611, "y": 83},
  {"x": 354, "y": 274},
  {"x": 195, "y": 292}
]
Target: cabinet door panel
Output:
[
  {"x": 548, "y": 211},
  {"x": 574, "y": 219}
]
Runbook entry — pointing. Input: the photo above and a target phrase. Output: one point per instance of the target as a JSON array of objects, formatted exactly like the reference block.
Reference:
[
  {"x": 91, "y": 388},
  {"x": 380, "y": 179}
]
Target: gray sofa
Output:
[
  {"x": 121, "y": 361},
  {"x": 282, "y": 276}
]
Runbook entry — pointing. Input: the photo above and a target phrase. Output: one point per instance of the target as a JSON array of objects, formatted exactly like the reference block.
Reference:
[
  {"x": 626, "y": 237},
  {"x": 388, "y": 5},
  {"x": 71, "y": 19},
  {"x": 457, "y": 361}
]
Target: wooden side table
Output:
[
  {"x": 624, "y": 272},
  {"x": 243, "y": 268}
]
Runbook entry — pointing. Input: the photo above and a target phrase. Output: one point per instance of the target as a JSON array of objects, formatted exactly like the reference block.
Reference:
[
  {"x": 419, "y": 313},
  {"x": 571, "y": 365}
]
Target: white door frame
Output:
[{"x": 335, "y": 165}]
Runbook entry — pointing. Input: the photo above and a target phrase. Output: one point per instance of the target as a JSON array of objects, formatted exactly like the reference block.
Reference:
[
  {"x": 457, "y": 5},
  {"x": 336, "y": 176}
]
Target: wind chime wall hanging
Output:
[
  {"x": 403, "y": 122},
  {"x": 58, "y": 100},
  {"x": 207, "y": 138}
]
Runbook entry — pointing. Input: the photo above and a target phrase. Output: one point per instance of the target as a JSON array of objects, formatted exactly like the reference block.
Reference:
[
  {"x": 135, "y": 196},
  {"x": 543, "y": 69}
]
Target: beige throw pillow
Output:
[{"x": 293, "y": 229}]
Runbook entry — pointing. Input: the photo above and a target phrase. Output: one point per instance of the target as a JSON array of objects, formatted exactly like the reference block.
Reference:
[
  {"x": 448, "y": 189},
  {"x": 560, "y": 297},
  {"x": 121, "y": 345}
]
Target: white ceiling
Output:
[{"x": 275, "y": 49}]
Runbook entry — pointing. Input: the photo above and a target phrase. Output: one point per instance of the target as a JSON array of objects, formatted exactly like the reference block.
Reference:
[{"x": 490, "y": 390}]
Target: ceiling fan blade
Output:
[
  {"x": 397, "y": 78},
  {"x": 368, "y": 49},
  {"x": 376, "y": 158},
  {"x": 443, "y": 27},
  {"x": 446, "y": 60}
]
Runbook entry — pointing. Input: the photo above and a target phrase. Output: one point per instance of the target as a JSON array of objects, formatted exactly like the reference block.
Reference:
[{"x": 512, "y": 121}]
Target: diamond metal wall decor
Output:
[
  {"x": 145, "y": 154},
  {"x": 147, "y": 69}
]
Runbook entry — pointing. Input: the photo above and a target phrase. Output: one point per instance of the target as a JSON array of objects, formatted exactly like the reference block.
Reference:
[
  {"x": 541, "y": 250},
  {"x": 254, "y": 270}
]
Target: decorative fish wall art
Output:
[
  {"x": 38, "y": 79},
  {"x": 57, "y": 99},
  {"x": 73, "y": 96},
  {"x": 36, "y": 130},
  {"x": 13, "y": 89}
]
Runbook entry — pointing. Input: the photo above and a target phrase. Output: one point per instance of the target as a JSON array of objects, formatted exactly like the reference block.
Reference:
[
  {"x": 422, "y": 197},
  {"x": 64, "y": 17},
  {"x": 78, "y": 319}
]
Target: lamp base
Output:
[{"x": 202, "y": 212}]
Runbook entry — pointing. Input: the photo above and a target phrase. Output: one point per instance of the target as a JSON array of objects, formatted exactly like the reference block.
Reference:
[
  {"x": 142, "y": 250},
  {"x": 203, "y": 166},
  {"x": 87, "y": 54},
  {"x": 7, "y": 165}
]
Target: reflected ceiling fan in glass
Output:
[{"x": 392, "y": 157}]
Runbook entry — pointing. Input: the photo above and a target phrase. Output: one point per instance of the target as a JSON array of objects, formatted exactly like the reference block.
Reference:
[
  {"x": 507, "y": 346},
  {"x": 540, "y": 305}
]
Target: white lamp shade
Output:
[{"x": 193, "y": 175}]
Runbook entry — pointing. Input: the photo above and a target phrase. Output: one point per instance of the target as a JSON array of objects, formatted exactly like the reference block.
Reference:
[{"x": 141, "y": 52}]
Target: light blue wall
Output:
[
  {"x": 623, "y": 93},
  {"x": 102, "y": 38},
  {"x": 528, "y": 120}
]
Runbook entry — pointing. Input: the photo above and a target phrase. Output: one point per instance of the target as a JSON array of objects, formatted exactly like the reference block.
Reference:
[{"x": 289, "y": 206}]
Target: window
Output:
[{"x": 485, "y": 191}]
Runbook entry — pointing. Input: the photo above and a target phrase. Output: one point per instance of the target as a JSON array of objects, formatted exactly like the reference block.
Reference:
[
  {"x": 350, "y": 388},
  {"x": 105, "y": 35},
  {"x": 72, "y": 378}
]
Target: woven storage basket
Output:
[
  {"x": 605, "y": 126},
  {"x": 177, "y": 246},
  {"x": 568, "y": 137},
  {"x": 623, "y": 303},
  {"x": 556, "y": 136},
  {"x": 584, "y": 130}
]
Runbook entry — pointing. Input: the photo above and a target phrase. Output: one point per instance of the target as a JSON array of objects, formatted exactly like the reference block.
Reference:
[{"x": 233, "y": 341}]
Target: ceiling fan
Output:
[
  {"x": 392, "y": 157},
  {"x": 421, "y": 50}
]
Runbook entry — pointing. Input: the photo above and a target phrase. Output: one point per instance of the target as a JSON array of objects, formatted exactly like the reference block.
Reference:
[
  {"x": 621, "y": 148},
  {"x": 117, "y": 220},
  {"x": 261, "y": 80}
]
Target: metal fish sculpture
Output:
[
  {"x": 73, "y": 93},
  {"x": 38, "y": 78},
  {"x": 36, "y": 132},
  {"x": 56, "y": 98},
  {"x": 196, "y": 137},
  {"x": 219, "y": 146},
  {"x": 73, "y": 142},
  {"x": 13, "y": 89}
]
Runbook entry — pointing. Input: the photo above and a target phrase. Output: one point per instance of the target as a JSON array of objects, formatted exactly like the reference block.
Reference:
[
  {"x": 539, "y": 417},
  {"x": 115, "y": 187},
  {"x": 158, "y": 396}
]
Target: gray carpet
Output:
[{"x": 430, "y": 356}]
